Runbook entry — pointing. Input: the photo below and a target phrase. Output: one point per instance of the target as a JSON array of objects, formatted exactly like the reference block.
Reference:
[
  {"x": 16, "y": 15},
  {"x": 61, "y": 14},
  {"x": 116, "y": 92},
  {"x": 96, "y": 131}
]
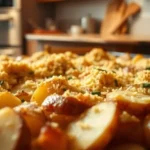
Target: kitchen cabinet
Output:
[{"x": 44, "y": 1}]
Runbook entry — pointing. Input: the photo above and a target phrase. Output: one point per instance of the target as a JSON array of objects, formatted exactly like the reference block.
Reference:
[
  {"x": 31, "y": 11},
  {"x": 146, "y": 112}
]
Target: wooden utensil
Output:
[
  {"x": 115, "y": 11},
  {"x": 132, "y": 9}
]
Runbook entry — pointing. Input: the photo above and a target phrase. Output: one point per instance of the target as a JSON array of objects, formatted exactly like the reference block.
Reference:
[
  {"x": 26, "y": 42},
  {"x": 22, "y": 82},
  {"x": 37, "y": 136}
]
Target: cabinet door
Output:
[{"x": 43, "y": 1}]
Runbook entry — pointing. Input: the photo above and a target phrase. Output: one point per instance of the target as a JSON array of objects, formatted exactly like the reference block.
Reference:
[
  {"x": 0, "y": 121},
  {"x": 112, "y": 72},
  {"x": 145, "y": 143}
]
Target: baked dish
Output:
[{"x": 70, "y": 102}]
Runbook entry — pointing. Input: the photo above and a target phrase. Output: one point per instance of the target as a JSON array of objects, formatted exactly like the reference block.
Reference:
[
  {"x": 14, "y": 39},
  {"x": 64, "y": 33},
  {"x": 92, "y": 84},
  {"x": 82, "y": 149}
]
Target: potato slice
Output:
[
  {"x": 130, "y": 128},
  {"x": 33, "y": 115},
  {"x": 51, "y": 138},
  {"x": 147, "y": 130},
  {"x": 14, "y": 133},
  {"x": 8, "y": 99},
  {"x": 133, "y": 102},
  {"x": 64, "y": 105},
  {"x": 127, "y": 147},
  {"x": 62, "y": 120},
  {"x": 95, "y": 128}
]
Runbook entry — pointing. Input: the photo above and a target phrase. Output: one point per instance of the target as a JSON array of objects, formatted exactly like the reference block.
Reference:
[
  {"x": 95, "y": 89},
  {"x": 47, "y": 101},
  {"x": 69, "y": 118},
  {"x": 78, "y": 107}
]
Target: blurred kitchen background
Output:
[{"x": 27, "y": 26}]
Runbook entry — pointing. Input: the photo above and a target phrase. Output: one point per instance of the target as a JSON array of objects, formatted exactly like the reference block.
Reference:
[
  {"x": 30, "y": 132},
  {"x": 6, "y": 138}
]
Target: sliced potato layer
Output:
[
  {"x": 132, "y": 102},
  {"x": 147, "y": 130},
  {"x": 95, "y": 128},
  {"x": 51, "y": 138},
  {"x": 128, "y": 147},
  {"x": 14, "y": 133},
  {"x": 33, "y": 115}
]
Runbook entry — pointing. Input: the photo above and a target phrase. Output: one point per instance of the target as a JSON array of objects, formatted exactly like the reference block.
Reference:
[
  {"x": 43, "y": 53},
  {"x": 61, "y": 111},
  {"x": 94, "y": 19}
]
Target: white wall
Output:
[
  {"x": 68, "y": 13},
  {"x": 141, "y": 23}
]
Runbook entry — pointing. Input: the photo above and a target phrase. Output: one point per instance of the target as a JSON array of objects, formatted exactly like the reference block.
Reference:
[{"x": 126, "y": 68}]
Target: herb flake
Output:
[
  {"x": 1, "y": 82},
  {"x": 113, "y": 71},
  {"x": 146, "y": 85},
  {"x": 96, "y": 93},
  {"x": 101, "y": 69},
  {"x": 22, "y": 100},
  {"x": 147, "y": 68},
  {"x": 69, "y": 78}
]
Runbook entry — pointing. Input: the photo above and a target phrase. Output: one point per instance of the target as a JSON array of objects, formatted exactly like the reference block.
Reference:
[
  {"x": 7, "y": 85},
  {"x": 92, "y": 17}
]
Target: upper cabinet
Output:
[{"x": 49, "y": 1}]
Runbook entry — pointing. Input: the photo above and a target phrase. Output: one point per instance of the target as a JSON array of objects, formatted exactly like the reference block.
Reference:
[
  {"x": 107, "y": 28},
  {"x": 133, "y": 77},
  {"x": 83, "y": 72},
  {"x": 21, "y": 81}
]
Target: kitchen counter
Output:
[{"x": 125, "y": 42}]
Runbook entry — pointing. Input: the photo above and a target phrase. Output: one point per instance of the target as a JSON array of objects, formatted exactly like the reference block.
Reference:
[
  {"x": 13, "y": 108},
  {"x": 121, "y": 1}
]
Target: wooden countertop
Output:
[{"x": 89, "y": 38}]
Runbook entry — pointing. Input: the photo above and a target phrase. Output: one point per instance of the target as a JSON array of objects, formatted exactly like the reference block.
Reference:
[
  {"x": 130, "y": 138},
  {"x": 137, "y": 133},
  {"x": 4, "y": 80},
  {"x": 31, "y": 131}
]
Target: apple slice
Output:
[
  {"x": 95, "y": 127},
  {"x": 14, "y": 133},
  {"x": 132, "y": 102},
  {"x": 7, "y": 99},
  {"x": 50, "y": 86}
]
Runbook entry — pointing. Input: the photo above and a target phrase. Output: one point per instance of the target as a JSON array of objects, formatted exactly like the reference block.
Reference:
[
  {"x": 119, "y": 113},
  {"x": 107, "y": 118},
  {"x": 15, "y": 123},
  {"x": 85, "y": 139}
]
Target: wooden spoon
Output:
[
  {"x": 132, "y": 9},
  {"x": 116, "y": 9}
]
